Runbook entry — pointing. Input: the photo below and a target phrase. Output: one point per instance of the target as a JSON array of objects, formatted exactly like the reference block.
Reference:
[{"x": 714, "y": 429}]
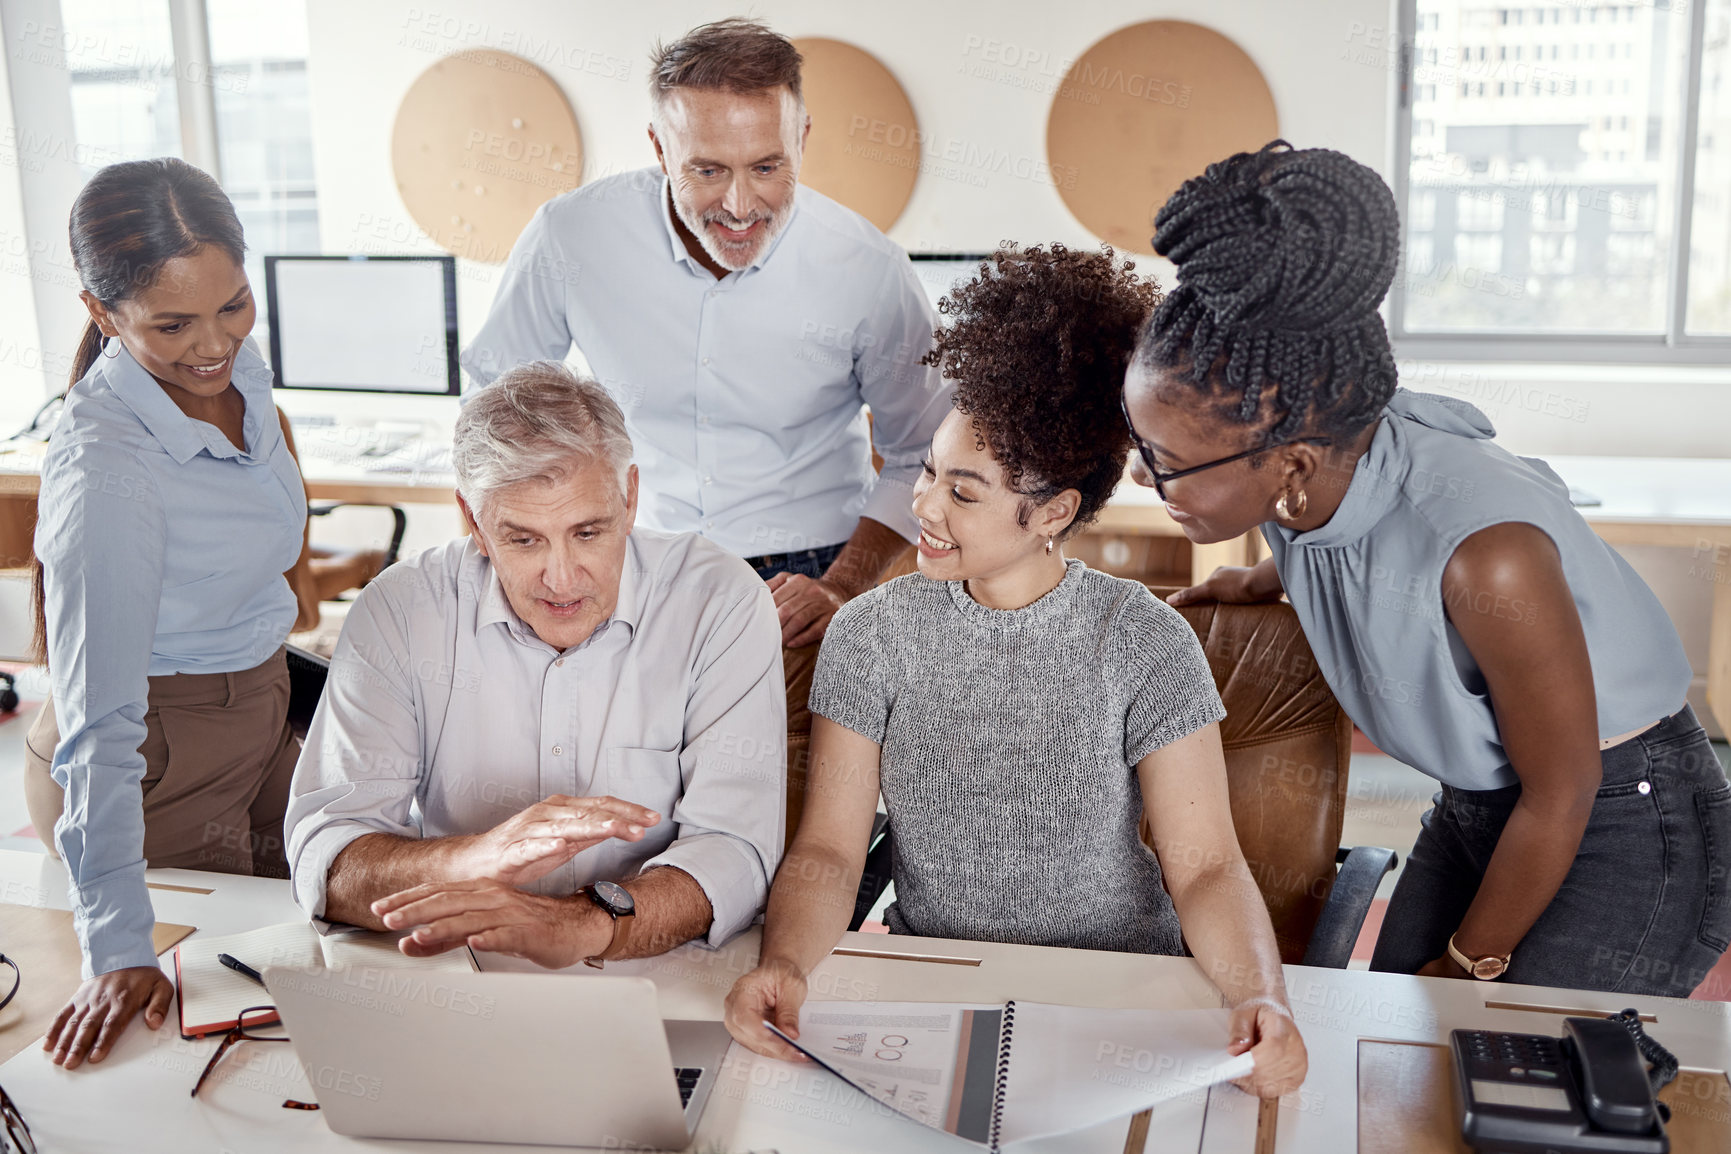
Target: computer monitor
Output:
[
  {"x": 363, "y": 324},
  {"x": 940, "y": 271}
]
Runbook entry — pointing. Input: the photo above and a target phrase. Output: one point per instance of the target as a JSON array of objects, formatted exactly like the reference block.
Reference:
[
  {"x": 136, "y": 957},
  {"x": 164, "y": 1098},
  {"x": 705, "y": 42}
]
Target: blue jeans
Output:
[
  {"x": 806, "y": 562},
  {"x": 1646, "y": 906}
]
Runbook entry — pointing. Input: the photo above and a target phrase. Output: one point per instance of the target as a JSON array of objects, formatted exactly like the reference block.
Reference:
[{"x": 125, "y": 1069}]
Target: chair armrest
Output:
[
  {"x": 876, "y": 876},
  {"x": 1361, "y": 870},
  {"x": 399, "y": 522}
]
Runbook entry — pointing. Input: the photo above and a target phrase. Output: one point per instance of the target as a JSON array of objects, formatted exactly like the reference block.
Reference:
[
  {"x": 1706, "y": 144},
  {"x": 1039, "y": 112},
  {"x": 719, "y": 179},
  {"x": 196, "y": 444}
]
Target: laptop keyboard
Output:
[{"x": 687, "y": 1077}]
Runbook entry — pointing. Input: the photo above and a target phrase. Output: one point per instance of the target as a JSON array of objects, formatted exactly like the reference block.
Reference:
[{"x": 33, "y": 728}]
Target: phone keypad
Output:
[{"x": 1522, "y": 1054}]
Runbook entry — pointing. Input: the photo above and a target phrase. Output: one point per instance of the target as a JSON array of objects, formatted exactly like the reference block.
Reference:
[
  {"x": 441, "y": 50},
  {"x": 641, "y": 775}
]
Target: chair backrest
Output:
[
  {"x": 1288, "y": 745},
  {"x": 307, "y": 675}
]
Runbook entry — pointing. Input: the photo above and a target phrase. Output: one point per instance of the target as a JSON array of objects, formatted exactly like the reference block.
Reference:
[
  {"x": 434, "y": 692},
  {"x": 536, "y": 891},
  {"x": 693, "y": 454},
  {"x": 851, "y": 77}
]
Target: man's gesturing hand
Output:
[
  {"x": 537, "y": 841},
  {"x": 805, "y": 606}
]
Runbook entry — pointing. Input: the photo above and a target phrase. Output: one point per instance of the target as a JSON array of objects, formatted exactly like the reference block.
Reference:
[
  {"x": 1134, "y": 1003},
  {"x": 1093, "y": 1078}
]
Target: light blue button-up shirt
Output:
[
  {"x": 163, "y": 548},
  {"x": 445, "y": 714},
  {"x": 743, "y": 395}
]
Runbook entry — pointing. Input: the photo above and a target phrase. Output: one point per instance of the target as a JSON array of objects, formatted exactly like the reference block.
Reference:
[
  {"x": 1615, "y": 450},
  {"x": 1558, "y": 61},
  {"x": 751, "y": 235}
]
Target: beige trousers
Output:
[{"x": 218, "y": 758}]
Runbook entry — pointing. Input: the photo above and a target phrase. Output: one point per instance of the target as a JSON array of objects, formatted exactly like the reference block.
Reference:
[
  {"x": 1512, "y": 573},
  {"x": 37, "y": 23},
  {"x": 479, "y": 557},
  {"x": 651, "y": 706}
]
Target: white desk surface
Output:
[
  {"x": 137, "y": 1100},
  {"x": 1674, "y": 490}
]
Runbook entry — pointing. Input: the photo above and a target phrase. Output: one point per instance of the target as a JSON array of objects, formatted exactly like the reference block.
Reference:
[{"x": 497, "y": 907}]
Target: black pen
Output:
[{"x": 240, "y": 967}]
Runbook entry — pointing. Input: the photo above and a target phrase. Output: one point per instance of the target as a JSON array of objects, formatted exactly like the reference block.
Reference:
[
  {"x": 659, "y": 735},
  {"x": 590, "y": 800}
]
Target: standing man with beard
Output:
[{"x": 743, "y": 323}]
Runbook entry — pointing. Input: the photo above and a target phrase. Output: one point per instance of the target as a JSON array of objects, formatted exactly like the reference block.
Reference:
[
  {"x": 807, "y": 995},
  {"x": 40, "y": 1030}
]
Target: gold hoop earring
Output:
[
  {"x": 1050, "y": 542},
  {"x": 1286, "y": 512}
]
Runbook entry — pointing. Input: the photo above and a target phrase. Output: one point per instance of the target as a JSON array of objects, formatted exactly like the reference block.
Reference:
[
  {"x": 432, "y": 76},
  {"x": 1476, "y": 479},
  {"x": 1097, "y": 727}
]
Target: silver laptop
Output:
[{"x": 553, "y": 1059}]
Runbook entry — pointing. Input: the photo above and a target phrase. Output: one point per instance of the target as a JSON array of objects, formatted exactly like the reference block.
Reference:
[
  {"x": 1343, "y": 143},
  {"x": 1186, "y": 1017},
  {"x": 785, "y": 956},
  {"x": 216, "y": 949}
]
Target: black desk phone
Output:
[{"x": 1588, "y": 1091}]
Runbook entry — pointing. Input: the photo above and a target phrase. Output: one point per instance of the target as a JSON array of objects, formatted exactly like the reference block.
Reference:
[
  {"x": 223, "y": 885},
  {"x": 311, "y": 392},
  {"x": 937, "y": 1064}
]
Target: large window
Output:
[
  {"x": 221, "y": 83},
  {"x": 120, "y": 59},
  {"x": 263, "y": 125},
  {"x": 1567, "y": 191}
]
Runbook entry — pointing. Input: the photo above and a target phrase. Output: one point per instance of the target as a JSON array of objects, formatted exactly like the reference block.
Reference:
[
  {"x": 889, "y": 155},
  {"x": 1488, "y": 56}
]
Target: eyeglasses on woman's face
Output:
[{"x": 1164, "y": 477}]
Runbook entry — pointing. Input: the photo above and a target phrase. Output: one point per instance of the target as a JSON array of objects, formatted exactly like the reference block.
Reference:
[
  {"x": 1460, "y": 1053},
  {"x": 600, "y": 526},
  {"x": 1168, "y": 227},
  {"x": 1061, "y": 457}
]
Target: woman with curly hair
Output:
[
  {"x": 1019, "y": 711},
  {"x": 1466, "y": 616}
]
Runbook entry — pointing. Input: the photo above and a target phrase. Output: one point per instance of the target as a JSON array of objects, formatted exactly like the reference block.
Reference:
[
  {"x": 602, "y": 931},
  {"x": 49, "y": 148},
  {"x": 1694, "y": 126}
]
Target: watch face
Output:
[
  {"x": 616, "y": 898},
  {"x": 1487, "y": 968}
]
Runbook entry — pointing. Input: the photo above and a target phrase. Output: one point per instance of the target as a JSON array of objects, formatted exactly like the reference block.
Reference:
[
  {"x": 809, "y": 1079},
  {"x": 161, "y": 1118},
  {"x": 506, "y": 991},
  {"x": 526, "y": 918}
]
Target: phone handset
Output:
[{"x": 1615, "y": 1091}]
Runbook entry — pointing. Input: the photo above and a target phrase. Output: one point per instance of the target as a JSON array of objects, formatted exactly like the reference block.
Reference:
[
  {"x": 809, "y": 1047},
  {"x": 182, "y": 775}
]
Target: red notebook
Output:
[{"x": 212, "y": 996}]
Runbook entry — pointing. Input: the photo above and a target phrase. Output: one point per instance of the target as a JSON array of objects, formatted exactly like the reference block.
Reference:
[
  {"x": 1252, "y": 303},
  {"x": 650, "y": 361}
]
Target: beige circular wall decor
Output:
[
  {"x": 482, "y": 139},
  {"x": 864, "y": 148},
  {"x": 1144, "y": 110}
]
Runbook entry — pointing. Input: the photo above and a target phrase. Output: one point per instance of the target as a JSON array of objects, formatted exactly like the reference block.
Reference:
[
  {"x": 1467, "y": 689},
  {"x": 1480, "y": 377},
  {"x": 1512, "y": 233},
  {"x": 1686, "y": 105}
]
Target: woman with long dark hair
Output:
[
  {"x": 170, "y": 510},
  {"x": 1466, "y": 616}
]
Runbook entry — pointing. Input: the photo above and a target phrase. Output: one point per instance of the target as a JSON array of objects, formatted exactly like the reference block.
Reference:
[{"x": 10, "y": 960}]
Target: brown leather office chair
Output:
[{"x": 1288, "y": 744}]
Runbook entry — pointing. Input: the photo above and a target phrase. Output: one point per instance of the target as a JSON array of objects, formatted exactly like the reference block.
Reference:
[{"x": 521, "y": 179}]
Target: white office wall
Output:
[
  {"x": 1329, "y": 89},
  {"x": 1326, "y": 62},
  {"x": 363, "y": 57}
]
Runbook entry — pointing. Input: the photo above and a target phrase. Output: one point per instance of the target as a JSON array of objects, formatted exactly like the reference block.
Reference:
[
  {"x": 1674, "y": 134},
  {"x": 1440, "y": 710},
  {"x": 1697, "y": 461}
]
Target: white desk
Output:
[
  {"x": 329, "y": 476},
  {"x": 137, "y": 1100}
]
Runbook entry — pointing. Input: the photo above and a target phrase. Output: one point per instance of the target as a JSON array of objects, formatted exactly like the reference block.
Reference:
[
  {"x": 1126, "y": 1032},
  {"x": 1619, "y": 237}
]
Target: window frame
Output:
[
  {"x": 1673, "y": 346},
  {"x": 189, "y": 31}
]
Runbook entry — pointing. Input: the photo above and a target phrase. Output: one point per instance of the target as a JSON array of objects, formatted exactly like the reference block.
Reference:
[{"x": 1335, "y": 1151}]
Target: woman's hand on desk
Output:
[
  {"x": 1264, "y": 1026},
  {"x": 776, "y": 991},
  {"x": 90, "y": 1024}
]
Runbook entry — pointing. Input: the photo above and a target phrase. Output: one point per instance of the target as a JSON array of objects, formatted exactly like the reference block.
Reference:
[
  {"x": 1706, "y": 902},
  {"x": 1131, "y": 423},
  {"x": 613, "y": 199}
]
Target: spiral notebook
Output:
[{"x": 999, "y": 1075}]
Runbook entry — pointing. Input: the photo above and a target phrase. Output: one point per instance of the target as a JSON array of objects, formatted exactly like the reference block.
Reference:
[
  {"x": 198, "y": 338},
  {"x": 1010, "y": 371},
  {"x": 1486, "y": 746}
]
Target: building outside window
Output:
[{"x": 1552, "y": 214}]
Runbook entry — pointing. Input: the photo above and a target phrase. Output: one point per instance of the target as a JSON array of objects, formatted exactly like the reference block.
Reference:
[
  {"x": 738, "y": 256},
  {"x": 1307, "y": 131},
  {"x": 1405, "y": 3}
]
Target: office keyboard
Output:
[
  {"x": 687, "y": 1076},
  {"x": 419, "y": 457}
]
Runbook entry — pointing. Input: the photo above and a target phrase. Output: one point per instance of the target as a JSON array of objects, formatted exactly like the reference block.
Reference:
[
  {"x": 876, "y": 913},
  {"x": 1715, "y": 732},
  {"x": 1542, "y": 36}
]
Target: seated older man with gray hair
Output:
[{"x": 556, "y": 738}]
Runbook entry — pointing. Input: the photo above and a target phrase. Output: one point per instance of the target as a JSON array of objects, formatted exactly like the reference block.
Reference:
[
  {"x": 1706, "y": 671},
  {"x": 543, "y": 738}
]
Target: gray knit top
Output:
[{"x": 1010, "y": 740}]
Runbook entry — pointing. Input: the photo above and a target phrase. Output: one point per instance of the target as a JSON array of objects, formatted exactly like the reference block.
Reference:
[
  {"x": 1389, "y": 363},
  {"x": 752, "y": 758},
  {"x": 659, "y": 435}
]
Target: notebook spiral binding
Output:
[{"x": 1000, "y": 1085}]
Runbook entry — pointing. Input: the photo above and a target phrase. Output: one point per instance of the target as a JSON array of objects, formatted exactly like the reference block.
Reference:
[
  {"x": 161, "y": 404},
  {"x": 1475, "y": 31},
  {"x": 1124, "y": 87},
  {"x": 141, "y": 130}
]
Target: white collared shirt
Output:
[
  {"x": 445, "y": 714},
  {"x": 743, "y": 395}
]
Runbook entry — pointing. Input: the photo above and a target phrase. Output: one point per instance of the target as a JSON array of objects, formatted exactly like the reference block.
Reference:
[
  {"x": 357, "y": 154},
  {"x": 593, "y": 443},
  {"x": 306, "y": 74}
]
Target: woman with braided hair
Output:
[
  {"x": 1468, "y": 619},
  {"x": 1018, "y": 711}
]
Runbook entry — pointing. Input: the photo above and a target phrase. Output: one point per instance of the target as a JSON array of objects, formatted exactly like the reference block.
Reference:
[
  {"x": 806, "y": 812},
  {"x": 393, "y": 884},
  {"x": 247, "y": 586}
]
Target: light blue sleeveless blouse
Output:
[{"x": 1368, "y": 590}]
